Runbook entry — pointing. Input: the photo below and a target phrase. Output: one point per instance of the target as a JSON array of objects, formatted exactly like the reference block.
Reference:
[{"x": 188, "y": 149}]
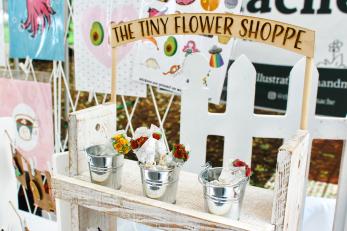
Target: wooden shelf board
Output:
[{"x": 188, "y": 212}]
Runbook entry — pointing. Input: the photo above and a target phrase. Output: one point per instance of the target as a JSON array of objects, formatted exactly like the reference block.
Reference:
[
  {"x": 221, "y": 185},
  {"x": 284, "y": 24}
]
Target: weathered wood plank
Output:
[
  {"x": 75, "y": 221},
  {"x": 256, "y": 206},
  {"x": 87, "y": 127},
  {"x": 90, "y": 218},
  {"x": 188, "y": 214},
  {"x": 290, "y": 181},
  {"x": 296, "y": 186}
]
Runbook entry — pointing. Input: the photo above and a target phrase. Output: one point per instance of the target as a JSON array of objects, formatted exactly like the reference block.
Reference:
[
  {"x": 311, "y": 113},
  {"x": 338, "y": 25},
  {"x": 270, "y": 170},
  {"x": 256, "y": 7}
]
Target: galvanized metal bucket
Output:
[
  {"x": 223, "y": 200},
  {"x": 105, "y": 165},
  {"x": 160, "y": 184}
]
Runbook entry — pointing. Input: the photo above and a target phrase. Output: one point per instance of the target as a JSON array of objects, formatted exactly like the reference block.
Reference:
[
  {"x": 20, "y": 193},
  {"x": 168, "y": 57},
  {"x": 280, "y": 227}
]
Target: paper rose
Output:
[
  {"x": 235, "y": 171},
  {"x": 180, "y": 152},
  {"x": 148, "y": 144},
  {"x": 240, "y": 164}
]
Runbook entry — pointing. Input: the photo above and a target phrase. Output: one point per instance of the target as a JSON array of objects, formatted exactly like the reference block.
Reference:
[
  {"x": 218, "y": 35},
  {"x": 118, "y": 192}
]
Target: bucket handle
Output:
[{"x": 205, "y": 167}]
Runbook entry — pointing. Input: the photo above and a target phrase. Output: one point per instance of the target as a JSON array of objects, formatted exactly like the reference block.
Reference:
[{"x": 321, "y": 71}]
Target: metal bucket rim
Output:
[
  {"x": 142, "y": 166},
  {"x": 103, "y": 156},
  {"x": 115, "y": 154},
  {"x": 206, "y": 183}
]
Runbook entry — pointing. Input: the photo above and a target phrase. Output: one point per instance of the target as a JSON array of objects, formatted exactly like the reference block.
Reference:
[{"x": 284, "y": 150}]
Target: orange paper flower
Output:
[{"x": 121, "y": 144}]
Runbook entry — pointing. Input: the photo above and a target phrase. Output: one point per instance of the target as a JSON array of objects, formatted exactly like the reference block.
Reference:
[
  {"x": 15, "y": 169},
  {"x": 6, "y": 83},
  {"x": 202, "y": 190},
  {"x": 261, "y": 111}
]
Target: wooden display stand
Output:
[
  {"x": 289, "y": 37},
  {"x": 98, "y": 206}
]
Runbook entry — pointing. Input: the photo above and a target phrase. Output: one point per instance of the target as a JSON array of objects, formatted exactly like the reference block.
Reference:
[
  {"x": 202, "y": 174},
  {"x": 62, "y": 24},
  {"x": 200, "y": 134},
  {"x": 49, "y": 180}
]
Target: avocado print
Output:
[
  {"x": 170, "y": 46},
  {"x": 96, "y": 33}
]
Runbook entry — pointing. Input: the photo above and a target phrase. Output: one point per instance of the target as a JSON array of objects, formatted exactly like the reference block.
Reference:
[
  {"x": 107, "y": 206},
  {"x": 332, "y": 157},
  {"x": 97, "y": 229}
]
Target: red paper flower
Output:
[
  {"x": 134, "y": 144},
  {"x": 156, "y": 136},
  {"x": 138, "y": 142},
  {"x": 239, "y": 163},
  {"x": 248, "y": 171},
  {"x": 179, "y": 152}
]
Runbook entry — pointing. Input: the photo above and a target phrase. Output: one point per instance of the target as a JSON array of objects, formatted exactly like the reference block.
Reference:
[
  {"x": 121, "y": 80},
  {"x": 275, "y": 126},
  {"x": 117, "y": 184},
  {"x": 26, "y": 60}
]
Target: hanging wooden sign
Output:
[{"x": 289, "y": 37}]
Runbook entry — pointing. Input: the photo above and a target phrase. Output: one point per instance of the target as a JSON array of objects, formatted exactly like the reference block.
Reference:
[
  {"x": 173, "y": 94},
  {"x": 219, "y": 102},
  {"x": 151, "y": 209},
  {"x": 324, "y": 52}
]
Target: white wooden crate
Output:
[{"x": 98, "y": 206}]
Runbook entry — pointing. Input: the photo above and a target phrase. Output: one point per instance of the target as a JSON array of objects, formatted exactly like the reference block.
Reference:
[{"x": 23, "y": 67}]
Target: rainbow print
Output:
[{"x": 216, "y": 61}]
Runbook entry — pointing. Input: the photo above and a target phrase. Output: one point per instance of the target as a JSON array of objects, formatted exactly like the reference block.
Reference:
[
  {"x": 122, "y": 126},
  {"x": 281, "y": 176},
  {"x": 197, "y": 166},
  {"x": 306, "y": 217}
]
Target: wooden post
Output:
[
  {"x": 307, "y": 93},
  {"x": 114, "y": 75}
]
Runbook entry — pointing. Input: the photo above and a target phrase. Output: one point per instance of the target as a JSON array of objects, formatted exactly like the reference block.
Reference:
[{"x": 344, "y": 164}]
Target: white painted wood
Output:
[
  {"x": 61, "y": 163},
  {"x": 90, "y": 218},
  {"x": 89, "y": 127},
  {"x": 296, "y": 186},
  {"x": 75, "y": 219},
  {"x": 340, "y": 220},
  {"x": 63, "y": 208},
  {"x": 290, "y": 182},
  {"x": 8, "y": 218},
  {"x": 128, "y": 203},
  {"x": 238, "y": 124},
  {"x": 188, "y": 213}
]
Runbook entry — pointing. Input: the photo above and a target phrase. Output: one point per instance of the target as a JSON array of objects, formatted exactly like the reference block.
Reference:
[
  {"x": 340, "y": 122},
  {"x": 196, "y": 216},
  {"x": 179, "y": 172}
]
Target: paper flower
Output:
[
  {"x": 234, "y": 173},
  {"x": 156, "y": 135},
  {"x": 121, "y": 143},
  {"x": 240, "y": 164},
  {"x": 148, "y": 145},
  {"x": 135, "y": 144},
  {"x": 180, "y": 152}
]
